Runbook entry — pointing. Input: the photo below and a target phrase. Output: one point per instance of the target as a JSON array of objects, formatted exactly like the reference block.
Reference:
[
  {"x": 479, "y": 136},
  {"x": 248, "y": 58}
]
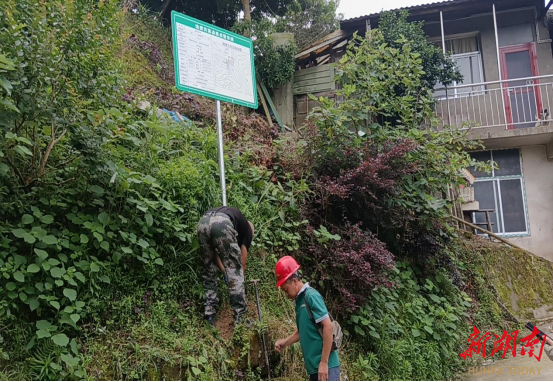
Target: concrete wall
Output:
[
  {"x": 480, "y": 108},
  {"x": 538, "y": 181},
  {"x": 485, "y": 26},
  {"x": 538, "y": 170}
]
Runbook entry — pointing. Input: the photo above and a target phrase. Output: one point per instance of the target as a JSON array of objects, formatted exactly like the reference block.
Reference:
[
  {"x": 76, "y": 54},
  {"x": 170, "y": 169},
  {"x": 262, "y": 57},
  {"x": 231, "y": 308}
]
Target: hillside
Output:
[{"x": 98, "y": 250}]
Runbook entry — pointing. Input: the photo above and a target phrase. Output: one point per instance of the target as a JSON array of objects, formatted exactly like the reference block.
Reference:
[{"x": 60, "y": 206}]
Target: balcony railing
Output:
[{"x": 510, "y": 104}]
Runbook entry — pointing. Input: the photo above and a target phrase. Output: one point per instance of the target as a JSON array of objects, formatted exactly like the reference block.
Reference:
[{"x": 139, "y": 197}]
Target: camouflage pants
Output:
[{"x": 217, "y": 236}]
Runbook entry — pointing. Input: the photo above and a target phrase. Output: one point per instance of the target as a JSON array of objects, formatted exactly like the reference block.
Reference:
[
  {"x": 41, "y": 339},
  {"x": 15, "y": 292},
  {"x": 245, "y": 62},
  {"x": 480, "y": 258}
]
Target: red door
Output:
[{"x": 522, "y": 97}]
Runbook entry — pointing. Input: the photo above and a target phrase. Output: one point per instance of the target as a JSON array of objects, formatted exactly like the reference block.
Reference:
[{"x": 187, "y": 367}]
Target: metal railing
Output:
[{"x": 511, "y": 104}]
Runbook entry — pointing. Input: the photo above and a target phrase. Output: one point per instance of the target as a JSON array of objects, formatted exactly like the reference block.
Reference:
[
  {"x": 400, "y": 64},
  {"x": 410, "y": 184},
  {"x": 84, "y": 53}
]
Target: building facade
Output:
[{"x": 504, "y": 51}]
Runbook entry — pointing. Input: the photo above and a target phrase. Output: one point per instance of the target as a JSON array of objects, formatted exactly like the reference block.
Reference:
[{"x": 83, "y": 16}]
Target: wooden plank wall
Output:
[
  {"x": 314, "y": 80},
  {"x": 319, "y": 81},
  {"x": 303, "y": 105}
]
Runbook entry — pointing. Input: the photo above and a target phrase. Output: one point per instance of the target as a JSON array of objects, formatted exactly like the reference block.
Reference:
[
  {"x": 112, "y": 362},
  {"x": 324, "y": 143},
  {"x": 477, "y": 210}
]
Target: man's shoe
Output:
[
  {"x": 243, "y": 321},
  {"x": 210, "y": 320}
]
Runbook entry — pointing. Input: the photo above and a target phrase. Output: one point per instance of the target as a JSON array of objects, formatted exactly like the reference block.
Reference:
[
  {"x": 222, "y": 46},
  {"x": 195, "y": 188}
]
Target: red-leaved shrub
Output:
[{"x": 350, "y": 267}]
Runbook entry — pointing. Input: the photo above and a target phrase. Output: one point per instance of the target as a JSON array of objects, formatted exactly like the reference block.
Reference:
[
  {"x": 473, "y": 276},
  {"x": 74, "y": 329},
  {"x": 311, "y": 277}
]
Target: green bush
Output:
[
  {"x": 414, "y": 330},
  {"x": 275, "y": 65},
  {"x": 98, "y": 202}
]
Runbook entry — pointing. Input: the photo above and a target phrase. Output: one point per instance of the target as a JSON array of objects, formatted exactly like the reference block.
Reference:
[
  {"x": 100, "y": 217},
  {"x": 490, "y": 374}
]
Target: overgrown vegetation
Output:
[
  {"x": 437, "y": 68},
  {"x": 376, "y": 179},
  {"x": 99, "y": 201},
  {"x": 413, "y": 329},
  {"x": 274, "y": 64}
]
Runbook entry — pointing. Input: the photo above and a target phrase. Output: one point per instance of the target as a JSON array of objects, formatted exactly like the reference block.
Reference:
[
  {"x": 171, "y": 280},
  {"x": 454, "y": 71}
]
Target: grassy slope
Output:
[
  {"x": 152, "y": 339},
  {"x": 167, "y": 340},
  {"x": 141, "y": 337},
  {"x": 164, "y": 339}
]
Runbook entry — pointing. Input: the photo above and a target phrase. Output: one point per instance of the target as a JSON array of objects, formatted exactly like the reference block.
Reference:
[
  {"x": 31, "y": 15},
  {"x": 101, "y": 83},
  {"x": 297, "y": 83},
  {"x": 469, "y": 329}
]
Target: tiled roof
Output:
[{"x": 415, "y": 7}]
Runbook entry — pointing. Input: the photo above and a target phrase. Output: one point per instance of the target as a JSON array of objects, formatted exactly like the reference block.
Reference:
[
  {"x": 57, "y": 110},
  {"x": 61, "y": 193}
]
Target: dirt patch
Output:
[
  {"x": 225, "y": 323},
  {"x": 225, "y": 319},
  {"x": 252, "y": 311}
]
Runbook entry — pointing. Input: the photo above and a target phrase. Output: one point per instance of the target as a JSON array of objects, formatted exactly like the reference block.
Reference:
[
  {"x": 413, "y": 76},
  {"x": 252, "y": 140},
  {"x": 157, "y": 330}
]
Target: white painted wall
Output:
[{"x": 538, "y": 181}]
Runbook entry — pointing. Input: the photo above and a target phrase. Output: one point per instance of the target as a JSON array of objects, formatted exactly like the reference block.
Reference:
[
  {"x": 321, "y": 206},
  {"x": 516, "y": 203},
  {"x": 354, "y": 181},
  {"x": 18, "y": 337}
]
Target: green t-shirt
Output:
[{"x": 310, "y": 338}]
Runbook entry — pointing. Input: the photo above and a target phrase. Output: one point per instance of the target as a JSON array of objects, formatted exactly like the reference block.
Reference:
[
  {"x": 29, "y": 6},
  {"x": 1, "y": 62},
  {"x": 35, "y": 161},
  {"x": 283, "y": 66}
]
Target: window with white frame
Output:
[
  {"x": 466, "y": 52},
  {"x": 502, "y": 191}
]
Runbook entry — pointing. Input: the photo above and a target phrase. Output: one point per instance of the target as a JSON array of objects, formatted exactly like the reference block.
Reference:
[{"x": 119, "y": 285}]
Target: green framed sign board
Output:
[{"x": 213, "y": 62}]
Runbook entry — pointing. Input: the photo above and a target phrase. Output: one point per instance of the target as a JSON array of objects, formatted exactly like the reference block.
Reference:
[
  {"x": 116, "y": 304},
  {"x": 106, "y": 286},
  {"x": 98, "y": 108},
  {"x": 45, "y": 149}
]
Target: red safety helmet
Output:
[{"x": 285, "y": 268}]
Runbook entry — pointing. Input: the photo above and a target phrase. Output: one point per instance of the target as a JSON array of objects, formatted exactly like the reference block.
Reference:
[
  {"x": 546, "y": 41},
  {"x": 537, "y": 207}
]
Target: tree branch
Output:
[
  {"x": 69, "y": 160},
  {"x": 60, "y": 183},
  {"x": 16, "y": 170},
  {"x": 166, "y": 4},
  {"x": 51, "y": 145}
]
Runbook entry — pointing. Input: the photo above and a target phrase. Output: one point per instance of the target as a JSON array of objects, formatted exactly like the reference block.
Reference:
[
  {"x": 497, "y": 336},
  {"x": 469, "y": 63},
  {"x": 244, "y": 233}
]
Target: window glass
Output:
[
  {"x": 519, "y": 65},
  {"x": 513, "y": 205},
  {"x": 469, "y": 66},
  {"x": 466, "y": 53},
  {"x": 482, "y": 156},
  {"x": 508, "y": 162},
  {"x": 464, "y": 65},
  {"x": 504, "y": 196},
  {"x": 484, "y": 193}
]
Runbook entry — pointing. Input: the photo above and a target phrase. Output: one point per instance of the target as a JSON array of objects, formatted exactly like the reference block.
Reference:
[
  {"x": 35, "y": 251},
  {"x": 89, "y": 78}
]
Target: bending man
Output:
[{"x": 225, "y": 236}]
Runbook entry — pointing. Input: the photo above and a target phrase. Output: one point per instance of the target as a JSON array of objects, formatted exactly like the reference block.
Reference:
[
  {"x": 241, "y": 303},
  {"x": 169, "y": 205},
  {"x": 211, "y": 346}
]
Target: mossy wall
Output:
[{"x": 524, "y": 283}]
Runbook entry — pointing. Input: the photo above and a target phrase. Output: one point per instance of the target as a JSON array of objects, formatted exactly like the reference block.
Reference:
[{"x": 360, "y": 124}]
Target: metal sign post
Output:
[
  {"x": 221, "y": 155},
  {"x": 215, "y": 63}
]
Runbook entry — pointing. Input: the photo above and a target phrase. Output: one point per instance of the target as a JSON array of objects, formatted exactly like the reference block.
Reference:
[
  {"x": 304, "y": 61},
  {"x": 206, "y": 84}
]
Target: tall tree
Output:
[
  {"x": 223, "y": 13},
  {"x": 437, "y": 67},
  {"x": 309, "y": 20},
  {"x": 246, "y": 8}
]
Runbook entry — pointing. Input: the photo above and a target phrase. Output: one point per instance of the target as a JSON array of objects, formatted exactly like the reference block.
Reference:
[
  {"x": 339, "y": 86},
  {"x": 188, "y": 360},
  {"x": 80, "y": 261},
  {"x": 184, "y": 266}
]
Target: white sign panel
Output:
[{"x": 213, "y": 62}]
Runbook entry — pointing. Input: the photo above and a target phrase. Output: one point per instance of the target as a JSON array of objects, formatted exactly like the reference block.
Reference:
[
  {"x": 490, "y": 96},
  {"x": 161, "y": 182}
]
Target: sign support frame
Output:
[
  {"x": 229, "y": 38},
  {"x": 221, "y": 155}
]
